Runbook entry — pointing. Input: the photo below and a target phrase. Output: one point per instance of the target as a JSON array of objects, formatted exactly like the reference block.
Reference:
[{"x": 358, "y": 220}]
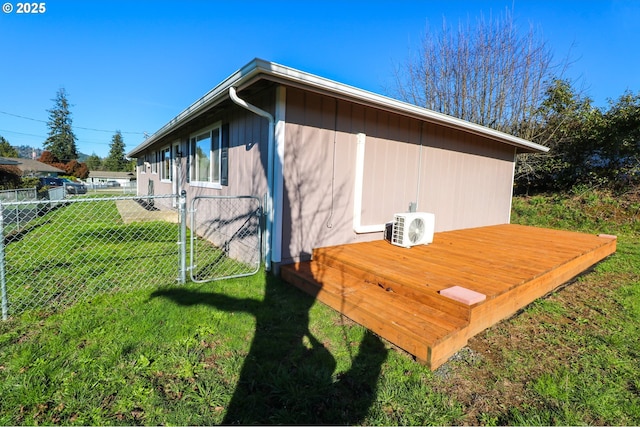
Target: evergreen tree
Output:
[
  {"x": 116, "y": 161},
  {"x": 6, "y": 150},
  {"x": 61, "y": 141},
  {"x": 94, "y": 162}
]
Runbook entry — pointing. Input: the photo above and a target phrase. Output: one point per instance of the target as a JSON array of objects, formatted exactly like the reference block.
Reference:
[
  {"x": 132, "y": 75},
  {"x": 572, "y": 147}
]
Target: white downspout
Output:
[
  {"x": 419, "y": 169},
  {"x": 269, "y": 208},
  {"x": 513, "y": 180},
  {"x": 278, "y": 173},
  {"x": 357, "y": 193}
]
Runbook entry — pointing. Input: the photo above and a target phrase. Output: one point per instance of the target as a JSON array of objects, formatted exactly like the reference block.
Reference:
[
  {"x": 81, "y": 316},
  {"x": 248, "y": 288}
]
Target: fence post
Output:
[
  {"x": 17, "y": 213},
  {"x": 3, "y": 279},
  {"x": 183, "y": 237}
]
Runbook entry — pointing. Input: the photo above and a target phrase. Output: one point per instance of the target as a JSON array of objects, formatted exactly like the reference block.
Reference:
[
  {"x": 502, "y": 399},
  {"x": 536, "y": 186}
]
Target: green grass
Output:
[
  {"x": 573, "y": 357},
  {"x": 254, "y": 350},
  {"x": 248, "y": 350},
  {"x": 84, "y": 248},
  {"x": 211, "y": 262}
]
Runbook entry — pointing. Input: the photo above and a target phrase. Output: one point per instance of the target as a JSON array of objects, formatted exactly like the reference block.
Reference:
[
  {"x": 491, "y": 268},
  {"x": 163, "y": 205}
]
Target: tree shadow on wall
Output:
[{"x": 289, "y": 377}]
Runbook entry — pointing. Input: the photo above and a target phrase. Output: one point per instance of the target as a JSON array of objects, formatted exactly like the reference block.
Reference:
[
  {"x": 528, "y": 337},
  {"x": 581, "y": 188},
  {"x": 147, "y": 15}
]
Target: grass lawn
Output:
[
  {"x": 254, "y": 350},
  {"x": 82, "y": 249}
]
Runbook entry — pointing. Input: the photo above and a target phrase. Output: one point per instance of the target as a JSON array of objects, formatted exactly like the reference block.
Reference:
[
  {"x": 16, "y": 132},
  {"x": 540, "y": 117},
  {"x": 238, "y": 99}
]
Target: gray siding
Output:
[
  {"x": 468, "y": 180},
  {"x": 247, "y": 152},
  {"x": 248, "y": 136},
  {"x": 465, "y": 180}
]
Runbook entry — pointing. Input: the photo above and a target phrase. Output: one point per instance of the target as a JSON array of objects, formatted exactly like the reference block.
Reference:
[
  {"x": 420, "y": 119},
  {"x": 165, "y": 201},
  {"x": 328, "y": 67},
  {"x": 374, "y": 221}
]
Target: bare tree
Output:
[{"x": 490, "y": 73}]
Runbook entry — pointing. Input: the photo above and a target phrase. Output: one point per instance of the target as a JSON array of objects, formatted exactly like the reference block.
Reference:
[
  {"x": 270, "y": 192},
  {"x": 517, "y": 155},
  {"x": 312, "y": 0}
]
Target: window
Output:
[
  {"x": 154, "y": 161},
  {"x": 208, "y": 148},
  {"x": 165, "y": 164},
  {"x": 142, "y": 166}
]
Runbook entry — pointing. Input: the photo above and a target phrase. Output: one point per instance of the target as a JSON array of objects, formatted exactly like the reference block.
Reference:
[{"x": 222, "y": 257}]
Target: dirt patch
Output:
[{"x": 131, "y": 211}]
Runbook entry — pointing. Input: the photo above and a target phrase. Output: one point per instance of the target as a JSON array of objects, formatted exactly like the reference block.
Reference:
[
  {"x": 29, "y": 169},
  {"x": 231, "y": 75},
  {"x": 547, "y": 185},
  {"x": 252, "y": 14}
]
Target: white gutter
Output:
[
  {"x": 343, "y": 91},
  {"x": 269, "y": 208},
  {"x": 357, "y": 192},
  {"x": 259, "y": 68}
]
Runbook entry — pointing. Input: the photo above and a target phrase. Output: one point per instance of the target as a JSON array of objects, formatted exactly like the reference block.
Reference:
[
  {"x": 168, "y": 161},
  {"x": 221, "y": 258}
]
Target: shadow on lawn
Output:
[{"x": 288, "y": 375}]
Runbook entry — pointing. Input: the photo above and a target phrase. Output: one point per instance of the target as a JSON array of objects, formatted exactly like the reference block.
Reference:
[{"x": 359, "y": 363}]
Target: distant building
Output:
[
  {"x": 30, "y": 167},
  {"x": 123, "y": 179}
]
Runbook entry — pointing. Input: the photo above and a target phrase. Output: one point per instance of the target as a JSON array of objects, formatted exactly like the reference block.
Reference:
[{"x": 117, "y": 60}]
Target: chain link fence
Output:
[
  {"x": 18, "y": 195},
  {"x": 56, "y": 253},
  {"x": 225, "y": 237},
  {"x": 17, "y": 215}
]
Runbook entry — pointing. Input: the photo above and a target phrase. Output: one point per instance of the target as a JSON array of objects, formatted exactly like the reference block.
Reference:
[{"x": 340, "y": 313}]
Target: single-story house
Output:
[
  {"x": 10, "y": 175},
  {"x": 123, "y": 179},
  {"x": 333, "y": 162},
  {"x": 30, "y": 167}
]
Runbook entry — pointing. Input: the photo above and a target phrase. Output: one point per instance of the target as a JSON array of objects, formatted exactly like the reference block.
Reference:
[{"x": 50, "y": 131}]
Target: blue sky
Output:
[{"x": 134, "y": 65}]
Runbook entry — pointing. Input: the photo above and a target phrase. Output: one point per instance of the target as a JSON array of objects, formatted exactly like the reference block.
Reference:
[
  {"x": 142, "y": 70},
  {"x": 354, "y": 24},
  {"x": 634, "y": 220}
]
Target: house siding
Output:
[
  {"x": 465, "y": 180},
  {"x": 247, "y": 166},
  {"x": 468, "y": 180}
]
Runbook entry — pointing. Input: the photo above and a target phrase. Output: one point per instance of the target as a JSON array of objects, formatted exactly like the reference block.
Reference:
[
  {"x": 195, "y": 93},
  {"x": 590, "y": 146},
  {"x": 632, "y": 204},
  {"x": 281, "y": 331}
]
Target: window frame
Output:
[
  {"x": 155, "y": 155},
  {"x": 166, "y": 169},
  {"x": 144, "y": 163},
  {"x": 194, "y": 161}
]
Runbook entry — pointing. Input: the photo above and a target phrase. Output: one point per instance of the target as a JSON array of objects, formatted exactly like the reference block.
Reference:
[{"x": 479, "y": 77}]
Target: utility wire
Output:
[
  {"x": 76, "y": 127},
  {"x": 130, "y": 144},
  {"x": 21, "y": 133}
]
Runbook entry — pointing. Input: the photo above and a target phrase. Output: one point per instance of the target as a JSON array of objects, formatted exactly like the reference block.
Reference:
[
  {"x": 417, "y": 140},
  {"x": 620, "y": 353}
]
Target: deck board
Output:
[{"x": 394, "y": 291}]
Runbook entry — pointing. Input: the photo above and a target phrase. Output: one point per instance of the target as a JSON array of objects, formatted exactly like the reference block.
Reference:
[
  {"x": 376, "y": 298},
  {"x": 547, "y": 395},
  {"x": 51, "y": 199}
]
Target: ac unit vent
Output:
[{"x": 412, "y": 228}]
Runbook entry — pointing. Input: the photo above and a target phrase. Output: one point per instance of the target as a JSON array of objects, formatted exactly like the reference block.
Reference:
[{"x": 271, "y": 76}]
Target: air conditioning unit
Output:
[{"x": 412, "y": 228}]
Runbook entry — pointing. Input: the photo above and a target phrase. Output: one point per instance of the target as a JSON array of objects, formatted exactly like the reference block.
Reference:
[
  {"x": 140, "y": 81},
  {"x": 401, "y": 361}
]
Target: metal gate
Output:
[
  {"x": 54, "y": 253},
  {"x": 225, "y": 237}
]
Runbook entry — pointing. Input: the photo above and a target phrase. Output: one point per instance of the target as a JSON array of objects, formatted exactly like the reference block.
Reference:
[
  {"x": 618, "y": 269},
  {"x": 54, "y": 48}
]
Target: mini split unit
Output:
[{"x": 412, "y": 228}]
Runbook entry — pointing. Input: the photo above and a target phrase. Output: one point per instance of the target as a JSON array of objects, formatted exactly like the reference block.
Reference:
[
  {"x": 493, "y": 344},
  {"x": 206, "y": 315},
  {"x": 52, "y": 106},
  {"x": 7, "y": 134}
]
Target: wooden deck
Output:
[{"x": 395, "y": 292}]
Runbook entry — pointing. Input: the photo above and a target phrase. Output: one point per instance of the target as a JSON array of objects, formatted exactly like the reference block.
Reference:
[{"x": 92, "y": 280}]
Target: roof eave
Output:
[
  {"x": 393, "y": 105},
  {"x": 211, "y": 98},
  {"x": 284, "y": 74}
]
